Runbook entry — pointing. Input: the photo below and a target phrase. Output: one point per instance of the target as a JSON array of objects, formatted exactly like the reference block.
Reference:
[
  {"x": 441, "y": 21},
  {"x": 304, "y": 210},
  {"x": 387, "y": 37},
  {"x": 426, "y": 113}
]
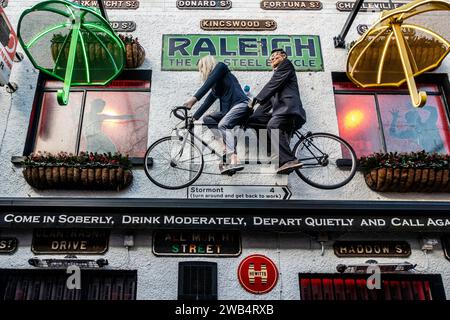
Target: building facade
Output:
[{"x": 166, "y": 244}]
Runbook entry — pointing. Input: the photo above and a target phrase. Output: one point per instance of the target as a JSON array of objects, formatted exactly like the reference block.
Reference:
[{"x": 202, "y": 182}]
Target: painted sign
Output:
[
  {"x": 257, "y": 274},
  {"x": 238, "y": 24},
  {"x": 123, "y": 26},
  {"x": 8, "y": 46},
  {"x": 446, "y": 246},
  {"x": 204, "y": 4},
  {"x": 240, "y": 52},
  {"x": 291, "y": 5},
  {"x": 240, "y": 192},
  {"x": 197, "y": 243},
  {"x": 368, "y": 6},
  {"x": 70, "y": 241},
  {"x": 111, "y": 4},
  {"x": 303, "y": 220},
  {"x": 372, "y": 249},
  {"x": 8, "y": 245}
]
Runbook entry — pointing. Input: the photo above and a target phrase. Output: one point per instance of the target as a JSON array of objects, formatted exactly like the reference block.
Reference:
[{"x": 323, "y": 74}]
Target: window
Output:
[
  {"x": 112, "y": 118},
  {"x": 197, "y": 281},
  {"x": 354, "y": 287},
  {"x": 384, "y": 120},
  {"x": 51, "y": 285}
]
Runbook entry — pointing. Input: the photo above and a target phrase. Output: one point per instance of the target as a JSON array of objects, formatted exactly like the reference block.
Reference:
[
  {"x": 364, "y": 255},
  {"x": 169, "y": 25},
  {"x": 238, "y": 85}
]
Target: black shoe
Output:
[{"x": 289, "y": 167}]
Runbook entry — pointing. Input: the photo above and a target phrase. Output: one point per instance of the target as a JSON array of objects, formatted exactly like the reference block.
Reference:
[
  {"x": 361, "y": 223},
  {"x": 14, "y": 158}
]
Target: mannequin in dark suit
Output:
[{"x": 281, "y": 108}]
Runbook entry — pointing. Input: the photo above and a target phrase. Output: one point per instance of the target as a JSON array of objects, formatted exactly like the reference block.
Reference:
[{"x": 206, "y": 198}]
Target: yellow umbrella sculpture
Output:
[{"x": 402, "y": 44}]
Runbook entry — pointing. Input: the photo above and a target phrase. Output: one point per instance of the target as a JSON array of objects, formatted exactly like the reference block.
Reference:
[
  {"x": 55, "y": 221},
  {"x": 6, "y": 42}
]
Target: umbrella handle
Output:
[
  {"x": 63, "y": 95},
  {"x": 418, "y": 98}
]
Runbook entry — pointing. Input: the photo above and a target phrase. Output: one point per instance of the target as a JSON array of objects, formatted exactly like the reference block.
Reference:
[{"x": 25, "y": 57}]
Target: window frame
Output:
[
  {"x": 128, "y": 74},
  {"x": 441, "y": 80},
  {"x": 181, "y": 295},
  {"x": 435, "y": 280},
  {"x": 86, "y": 280}
]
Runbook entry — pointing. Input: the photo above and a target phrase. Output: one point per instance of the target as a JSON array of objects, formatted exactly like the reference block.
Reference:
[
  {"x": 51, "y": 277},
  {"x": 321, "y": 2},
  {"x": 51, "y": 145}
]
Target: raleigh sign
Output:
[
  {"x": 204, "y": 4},
  {"x": 243, "y": 25},
  {"x": 291, "y": 5},
  {"x": 181, "y": 52},
  {"x": 278, "y": 222}
]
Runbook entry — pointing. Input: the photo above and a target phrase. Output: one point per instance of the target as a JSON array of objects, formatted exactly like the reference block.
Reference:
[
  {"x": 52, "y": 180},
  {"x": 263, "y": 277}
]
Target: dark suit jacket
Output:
[
  {"x": 223, "y": 85},
  {"x": 282, "y": 92}
]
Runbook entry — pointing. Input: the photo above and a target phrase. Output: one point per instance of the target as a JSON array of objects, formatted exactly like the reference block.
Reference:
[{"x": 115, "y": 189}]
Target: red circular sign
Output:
[{"x": 257, "y": 274}]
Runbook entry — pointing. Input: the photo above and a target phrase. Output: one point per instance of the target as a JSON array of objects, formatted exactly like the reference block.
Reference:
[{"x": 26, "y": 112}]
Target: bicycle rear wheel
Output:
[
  {"x": 173, "y": 163},
  {"x": 329, "y": 162}
]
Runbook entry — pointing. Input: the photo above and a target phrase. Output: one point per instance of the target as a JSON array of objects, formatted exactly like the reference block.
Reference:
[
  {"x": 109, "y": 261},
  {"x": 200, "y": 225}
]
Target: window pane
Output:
[
  {"x": 414, "y": 129},
  {"x": 428, "y": 87},
  {"x": 358, "y": 122},
  {"x": 116, "y": 121},
  {"x": 58, "y": 125}
]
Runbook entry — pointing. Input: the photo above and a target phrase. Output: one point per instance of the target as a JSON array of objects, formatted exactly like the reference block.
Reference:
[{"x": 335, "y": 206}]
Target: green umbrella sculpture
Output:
[{"x": 72, "y": 43}]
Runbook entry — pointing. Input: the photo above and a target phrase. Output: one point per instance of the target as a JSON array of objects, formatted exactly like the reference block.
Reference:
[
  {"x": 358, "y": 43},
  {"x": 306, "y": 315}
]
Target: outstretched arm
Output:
[{"x": 210, "y": 99}]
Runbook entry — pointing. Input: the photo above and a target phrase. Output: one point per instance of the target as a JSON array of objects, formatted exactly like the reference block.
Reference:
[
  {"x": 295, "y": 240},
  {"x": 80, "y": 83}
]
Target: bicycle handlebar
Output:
[{"x": 176, "y": 111}]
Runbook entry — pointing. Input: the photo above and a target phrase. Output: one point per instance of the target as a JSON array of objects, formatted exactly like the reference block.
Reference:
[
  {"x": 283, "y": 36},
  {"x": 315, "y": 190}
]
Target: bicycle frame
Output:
[
  {"x": 321, "y": 160},
  {"x": 310, "y": 146}
]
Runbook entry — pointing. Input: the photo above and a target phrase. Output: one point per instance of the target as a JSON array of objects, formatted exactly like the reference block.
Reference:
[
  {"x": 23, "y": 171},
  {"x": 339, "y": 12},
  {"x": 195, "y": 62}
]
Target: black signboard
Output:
[
  {"x": 70, "y": 241},
  {"x": 209, "y": 4},
  {"x": 368, "y": 6},
  {"x": 8, "y": 245},
  {"x": 197, "y": 243},
  {"x": 277, "y": 222},
  {"x": 361, "y": 28},
  {"x": 446, "y": 246},
  {"x": 291, "y": 5},
  {"x": 123, "y": 26},
  {"x": 372, "y": 249},
  {"x": 111, "y": 4}
]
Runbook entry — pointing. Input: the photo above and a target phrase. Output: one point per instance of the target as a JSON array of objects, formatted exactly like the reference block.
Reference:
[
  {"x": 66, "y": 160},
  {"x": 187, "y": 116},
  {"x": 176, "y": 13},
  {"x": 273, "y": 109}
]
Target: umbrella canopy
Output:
[
  {"x": 72, "y": 43},
  {"x": 402, "y": 44}
]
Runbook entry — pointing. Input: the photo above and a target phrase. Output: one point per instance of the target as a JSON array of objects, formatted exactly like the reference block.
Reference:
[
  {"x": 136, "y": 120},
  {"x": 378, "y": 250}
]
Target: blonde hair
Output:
[{"x": 206, "y": 66}]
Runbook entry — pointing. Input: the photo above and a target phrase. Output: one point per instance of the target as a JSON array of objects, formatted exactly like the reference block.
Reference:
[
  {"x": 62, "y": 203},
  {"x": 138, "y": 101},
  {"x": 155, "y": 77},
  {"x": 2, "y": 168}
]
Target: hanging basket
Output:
[
  {"x": 135, "y": 53},
  {"x": 408, "y": 180},
  {"x": 87, "y": 171},
  {"x": 63, "y": 177}
]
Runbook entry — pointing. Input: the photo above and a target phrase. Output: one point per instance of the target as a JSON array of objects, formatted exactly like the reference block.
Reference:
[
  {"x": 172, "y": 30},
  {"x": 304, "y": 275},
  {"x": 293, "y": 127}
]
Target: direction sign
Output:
[{"x": 240, "y": 192}]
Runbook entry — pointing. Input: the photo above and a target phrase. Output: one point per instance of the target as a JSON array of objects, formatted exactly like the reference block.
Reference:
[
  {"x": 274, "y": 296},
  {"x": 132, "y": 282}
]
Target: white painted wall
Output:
[
  {"x": 155, "y": 18},
  {"x": 292, "y": 253}
]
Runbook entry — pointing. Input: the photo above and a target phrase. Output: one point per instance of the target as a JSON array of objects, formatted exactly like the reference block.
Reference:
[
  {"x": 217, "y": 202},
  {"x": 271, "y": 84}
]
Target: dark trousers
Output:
[{"x": 286, "y": 126}]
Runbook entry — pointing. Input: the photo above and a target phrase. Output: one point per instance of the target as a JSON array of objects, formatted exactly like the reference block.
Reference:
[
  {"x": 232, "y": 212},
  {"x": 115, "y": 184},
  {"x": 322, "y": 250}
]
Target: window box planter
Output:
[
  {"x": 135, "y": 53},
  {"x": 410, "y": 172},
  {"x": 87, "y": 171}
]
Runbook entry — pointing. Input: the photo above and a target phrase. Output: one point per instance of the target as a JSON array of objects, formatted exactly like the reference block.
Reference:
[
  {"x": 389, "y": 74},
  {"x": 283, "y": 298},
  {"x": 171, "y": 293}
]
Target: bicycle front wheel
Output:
[
  {"x": 173, "y": 163},
  {"x": 329, "y": 162}
]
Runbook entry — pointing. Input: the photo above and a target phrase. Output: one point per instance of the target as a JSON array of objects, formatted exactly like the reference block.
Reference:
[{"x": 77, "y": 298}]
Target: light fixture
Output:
[
  {"x": 384, "y": 267},
  {"x": 65, "y": 263}
]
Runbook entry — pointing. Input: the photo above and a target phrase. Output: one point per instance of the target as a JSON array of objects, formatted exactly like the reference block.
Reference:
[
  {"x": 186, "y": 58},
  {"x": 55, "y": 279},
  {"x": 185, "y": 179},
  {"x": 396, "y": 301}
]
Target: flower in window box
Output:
[
  {"x": 84, "y": 171},
  {"x": 135, "y": 53},
  {"x": 407, "y": 172}
]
